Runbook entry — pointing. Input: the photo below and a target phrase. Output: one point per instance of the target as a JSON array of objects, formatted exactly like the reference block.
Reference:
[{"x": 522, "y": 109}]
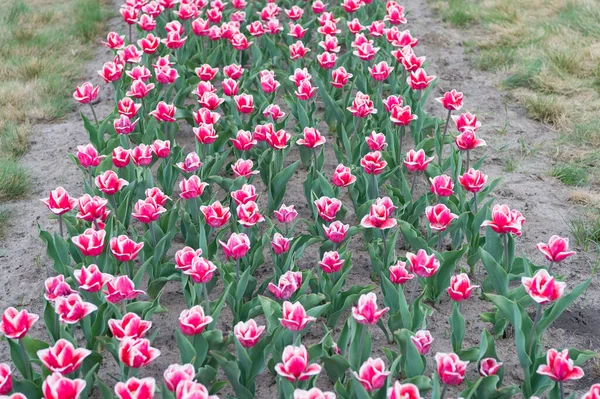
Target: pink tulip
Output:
[
  {"x": 192, "y": 187},
  {"x": 139, "y": 89},
  {"x": 422, "y": 341},
  {"x": 312, "y": 138},
  {"x": 318, "y": 6},
  {"x": 56, "y": 386},
  {"x": 465, "y": 121},
  {"x": 331, "y": 262},
  {"x": 313, "y": 393},
  {"x": 190, "y": 164},
  {"x": 206, "y": 72},
  {"x": 88, "y": 156},
  {"x": 193, "y": 390},
  {"x": 246, "y": 194},
  {"x": 327, "y": 60},
  {"x": 340, "y": 77},
  {"x": 489, "y": 366},
  {"x": 114, "y": 41},
  {"x": 278, "y": 139},
  {"x": 593, "y": 393},
  {"x": 327, "y": 208},
  {"x": 156, "y": 193},
  {"x": 137, "y": 352},
  {"x": 372, "y": 374},
  {"x": 215, "y": 214},
  {"x": 403, "y": 391},
  {"x": 135, "y": 388},
  {"x": 126, "y": 106},
  {"x": 380, "y": 215},
  {"x": 248, "y": 214},
  {"x": 124, "y": 249},
  {"x": 111, "y": 72},
  {"x": 342, "y": 176},
  {"x": 376, "y": 141},
  {"x": 295, "y": 317},
  {"x": 286, "y": 214},
  {"x": 92, "y": 208},
  {"x": 130, "y": 326},
  {"x": 299, "y": 76},
  {"x": 273, "y": 111},
  {"x": 233, "y": 71},
  {"x": 72, "y": 309},
  {"x": 90, "y": 243},
  {"x": 149, "y": 44},
  {"x": 543, "y": 288},
  {"x": 366, "y": 312},
  {"x": 556, "y": 250},
  {"x": 243, "y": 168},
  {"x": 205, "y": 133},
  {"x": 442, "y": 185},
  {"x": 330, "y": 44},
  {"x": 56, "y": 287},
  {"x": 280, "y": 244},
  {"x": 402, "y": 116},
  {"x": 505, "y": 221},
  {"x": 193, "y": 321},
  {"x": 298, "y": 50},
  {"x": 467, "y": 140},
  {"x": 244, "y": 103},
  {"x": 121, "y": 157},
  {"x": 141, "y": 155},
  {"x": 6, "y": 381},
  {"x": 362, "y": 106},
  {"x": 391, "y": 101},
  {"x": 373, "y": 163},
  {"x": 210, "y": 100},
  {"x": 365, "y": 51},
  {"x": 110, "y": 183},
  {"x": 244, "y": 141},
  {"x": 185, "y": 256},
  {"x": 248, "y": 333},
  {"x": 452, "y": 100},
  {"x": 147, "y": 210},
  {"x": 336, "y": 231},
  {"x": 419, "y": 80},
  {"x": 139, "y": 72},
  {"x": 201, "y": 270},
  {"x": 59, "y": 202},
  {"x": 421, "y": 264},
  {"x": 380, "y": 71},
  {"x": 473, "y": 180},
  {"x": 15, "y": 324},
  {"x": 161, "y": 149},
  {"x": 176, "y": 374},
  {"x": 439, "y": 217},
  {"x": 460, "y": 287},
  {"x": 399, "y": 274},
  {"x": 559, "y": 367},
  {"x": 121, "y": 288},
  {"x": 450, "y": 369},
  {"x": 86, "y": 93},
  {"x": 417, "y": 161},
  {"x": 268, "y": 82},
  {"x": 288, "y": 284},
  {"x": 294, "y": 364},
  {"x": 90, "y": 278},
  {"x": 63, "y": 357}
]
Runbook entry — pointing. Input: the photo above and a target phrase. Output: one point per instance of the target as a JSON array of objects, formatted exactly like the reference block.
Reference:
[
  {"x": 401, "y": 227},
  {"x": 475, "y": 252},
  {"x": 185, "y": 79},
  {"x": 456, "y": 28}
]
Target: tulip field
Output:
[{"x": 255, "y": 156}]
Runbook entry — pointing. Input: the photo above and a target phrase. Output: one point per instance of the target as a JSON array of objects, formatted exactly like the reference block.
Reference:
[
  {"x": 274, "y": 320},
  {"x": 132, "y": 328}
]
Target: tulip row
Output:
[{"x": 246, "y": 101}]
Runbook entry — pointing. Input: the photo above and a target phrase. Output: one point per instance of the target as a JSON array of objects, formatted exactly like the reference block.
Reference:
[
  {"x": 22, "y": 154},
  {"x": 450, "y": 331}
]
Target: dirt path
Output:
[{"x": 542, "y": 199}]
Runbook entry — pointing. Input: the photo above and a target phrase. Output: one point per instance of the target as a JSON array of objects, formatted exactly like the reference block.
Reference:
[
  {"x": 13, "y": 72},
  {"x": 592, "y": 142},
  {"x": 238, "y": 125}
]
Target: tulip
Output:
[
  {"x": 330, "y": 44},
  {"x": 124, "y": 125},
  {"x": 121, "y": 288},
  {"x": 110, "y": 183},
  {"x": 206, "y": 72},
  {"x": 205, "y": 133},
  {"x": 593, "y": 393},
  {"x": 114, "y": 41},
  {"x": 295, "y": 317},
  {"x": 90, "y": 243},
  {"x": 6, "y": 381},
  {"x": 192, "y": 188},
  {"x": 556, "y": 250},
  {"x": 205, "y": 115},
  {"x": 365, "y": 51},
  {"x": 355, "y": 27},
  {"x": 139, "y": 72},
  {"x": 147, "y": 210},
  {"x": 442, "y": 185},
  {"x": 294, "y": 364},
  {"x": 312, "y": 138},
  {"x": 372, "y": 374},
  {"x": 399, "y": 274},
  {"x": 327, "y": 208},
  {"x": 121, "y": 157},
  {"x": 86, "y": 93},
  {"x": 318, "y": 6},
  {"x": 268, "y": 82},
  {"x": 244, "y": 103},
  {"x": 460, "y": 287},
  {"x": 233, "y": 71},
  {"x": 111, "y": 72},
  {"x": 298, "y": 50},
  {"x": 376, "y": 141},
  {"x": 274, "y": 112},
  {"x": 285, "y": 214},
  {"x": 15, "y": 324},
  {"x": 377, "y": 27},
  {"x": 135, "y": 388},
  {"x": 402, "y": 116},
  {"x": 489, "y": 366},
  {"x": 342, "y": 176},
  {"x": 403, "y": 391},
  {"x": 244, "y": 141},
  {"x": 137, "y": 352},
  {"x": 421, "y": 264},
  {"x": 336, "y": 231},
  {"x": 305, "y": 90},
  {"x": 130, "y": 326},
  {"x": 246, "y": 194},
  {"x": 417, "y": 161},
  {"x": 327, "y": 60},
  {"x": 161, "y": 149},
  {"x": 422, "y": 341},
  {"x": 59, "y": 201},
  {"x": 149, "y": 44},
  {"x": 248, "y": 333},
  {"x": 380, "y": 215},
  {"x": 373, "y": 163},
  {"x": 450, "y": 369},
  {"x": 299, "y": 76},
  {"x": 313, "y": 393},
  {"x": 362, "y": 106},
  {"x": 280, "y": 244},
  {"x": 193, "y": 390},
  {"x": 559, "y": 367},
  {"x": 56, "y": 287},
  {"x": 419, "y": 80},
  {"x": 139, "y": 89},
  {"x": 56, "y": 386},
  {"x": 176, "y": 374},
  {"x": 295, "y": 13},
  {"x": 380, "y": 71},
  {"x": 141, "y": 155},
  {"x": 124, "y": 249},
  {"x": 157, "y": 195},
  {"x": 200, "y": 270},
  {"x": 215, "y": 214},
  {"x": 184, "y": 257},
  {"x": 63, "y": 357},
  {"x": 466, "y": 121},
  {"x": 126, "y": 106},
  {"x": 340, "y": 77},
  {"x": 331, "y": 262},
  {"x": 248, "y": 214},
  {"x": 288, "y": 283},
  {"x": 243, "y": 168},
  {"x": 505, "y": 221},
  {"x": 190, "y": 164},
  {"x": 90, "y": 278},
  {"x": 473, "y": 180},
  {"x": 439, "y": 217},
  {"x": 452, "y": 100},
  {"x": 543, "y": 288},
  {"x": 366, "y": 311},
  {"x": 193, "y": 321},
  {"x": 88, "y": 156},
  {"x": 72, "y": 309}
]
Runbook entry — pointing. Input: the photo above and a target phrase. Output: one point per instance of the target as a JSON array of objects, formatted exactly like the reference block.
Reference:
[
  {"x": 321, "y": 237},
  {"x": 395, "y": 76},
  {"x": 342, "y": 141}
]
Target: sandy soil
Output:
[{"x": 542, "y": 199}]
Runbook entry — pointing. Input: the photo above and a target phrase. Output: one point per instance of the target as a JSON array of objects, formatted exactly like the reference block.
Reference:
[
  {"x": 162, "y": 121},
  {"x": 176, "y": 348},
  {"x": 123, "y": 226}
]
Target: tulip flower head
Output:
[
  {"x": 559, "y": 367},
  {"x": 450, "y": 369},
  {"x": 556, "y": 250},
  {"x": 372, "y": 374},
  {"x": 366, "y": 312},
  {"x": 295, "y": 365},
  {"x": 543, "y": 288}
]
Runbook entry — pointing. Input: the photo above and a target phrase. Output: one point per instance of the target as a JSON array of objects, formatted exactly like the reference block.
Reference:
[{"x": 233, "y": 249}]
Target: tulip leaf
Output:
[
  {"x": 457, "y": 327},
  {"x": 232, "y": 371},
  {"x": 186, "y": 349},
  {"x": 359, "y": 391},
  {"x": 422, "y": 382},
  {"x": 560, "y": 306},
  {"x": 412, "y": 362},
  {"x": 27, "y": 388},
  {"x": 496, "y": 273},
  {"x": 335, "y": 367}
]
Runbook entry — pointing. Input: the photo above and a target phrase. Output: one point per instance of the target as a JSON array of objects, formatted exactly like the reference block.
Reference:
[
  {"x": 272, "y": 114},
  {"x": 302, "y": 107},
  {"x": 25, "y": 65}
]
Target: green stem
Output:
[
  {"x": 439, "y": 243},
  {"x": 550, "y": 267},
  {"x": 362, "y": 342},
  {"x": 414, "y": 183},
  {"x": 385, "y": 250},
  {"x": 94, "y": 113},
  {"x": 444, "y": 135},
  {"x": 153, "y": 232},
  {"x": 415, "y": 289},
  {"x": 443, "y": 391},
  {"x": 505, "y": 239},
  {"x": 374, "y": 188},
  {"x": 60, "y": 225},
  {"x": 538, "y": 314},
  {"x": 562, "y": 390},
  {"x": 28, "y": 374},
  {"x": 207, "y": 303},
  {"x": 237, "y": 270}
]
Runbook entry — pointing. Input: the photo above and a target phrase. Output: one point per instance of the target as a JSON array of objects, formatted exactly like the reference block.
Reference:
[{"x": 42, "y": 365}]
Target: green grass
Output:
[
  {"x": 585, "y": 230},
  {"x": 460, "y": 13},
  {"x": 571, "y": 174},
  {"x": 14, "y": 181},
  {"x": 545, "y": 108},
  {"x": 3, "y": 222},
  {"x": 495, "y": 59}
]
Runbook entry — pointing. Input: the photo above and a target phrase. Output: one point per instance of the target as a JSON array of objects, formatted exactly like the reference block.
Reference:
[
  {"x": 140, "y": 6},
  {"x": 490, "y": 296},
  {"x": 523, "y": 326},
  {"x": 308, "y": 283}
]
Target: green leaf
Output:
[
  {"x": 560, "y": 306},
  {"x": 186, "y": 349},
  {"x": 496, "y": 273},
  {"x": 457, "y": 326}
]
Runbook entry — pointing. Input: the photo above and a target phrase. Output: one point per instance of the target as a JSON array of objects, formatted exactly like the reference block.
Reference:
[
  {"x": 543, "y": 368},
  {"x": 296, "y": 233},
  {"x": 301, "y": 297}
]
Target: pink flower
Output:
[
  {"x": 268, "y": 82},
  {"x": 15, "y": 324},
  {"x": 543, "y": 288},
  {"x": 90, "y": 243},
  {"x": 467, "y": 140},
  {"x": 273, "y": 111},
  {"x": 243, "y": 140},
  {"x": 139, "y": 89},
  {"x": 391, "y": 102},
  {"x": 403, "y": 391},
  {"x": 372, "y": 374},
  {"x": 230, "y": 87},
  {"x": 86, "y": 93},
  {"x": 312, "y": 138},
  {"x": 295, "y": 317},
  {"x": 201, "y": 270},
  {"x": 362, "y": 106},
  {"x": 340, "y": 77},
  {"x": 193, "y": 321},
  {"x": 556, "y": 250},
  {"x": 294, "y": 364},
  {"x": 121, "y": 288},
  {"x": 243, "y": 168},
  {"x": 149, "y": 44},
  {"x": 137, "y": 352},
  {"x": 59, "y": 201},
  {"x": 244, "y": 103},
  {"x": 450, "y": 369},
  {"x": 305, "y": 90},
  {"x": 205, "y": 133},
  {"x": 366, "y": 312},
  {"x": 380, "y": 215},
  {"x": 124, "y": 125},
  {"x": 56, "y": 386},
  {"x": 419, "y": 80},
  {"x": 442, "y": 185},
  {"x": 298, "y": 50},
  {"x": 365, "y": 51},
  {"x": 205, "y": 115},
  {"x": 111, "y": 72},
  {"x": 156, "y": 193},
  {"x": 6, "y": 382},
  {"x": 559, "y": 367},
  {"x": 422, "y": 341},
  {"x": 417, "y": 161},
  {"x": 176, "y": 374},
  {"x": 124, "y": 249},
  {"x": 114, "y": 41},
  {"x": 55, "y": 287},
  {"x": 439, "y": 217},
  {"x": 248, "y": 214},
  {"x": 460, "y": 287},
  {"x": 593, "y": 393},
  {"x": 289, "y": 282},
  {"x": 472, "y": 180},
  {"x": 280, "y": 244},
  {"x": 130, "y": 326},
  {"x": 215, "y": 214},
  {"x": 192, "y": 187},
  {"x": 327, "y": 208},
  {"x": 147, "y": 210},
  {"x": 421, "y": 264},
  {"x": 88, "y": 156},
  {"x": 121, "y": 157},
  {"x": 185, "y": 256},
  {"x": 327, "y": 60},
  {"x": 62, "y": 357},
  {"x": 248, "y": 333},
  {"x": 110, "y": 183},
  {"x": 402, "y": 116},
  {"x": 466, "y": 121},
  {"x": 489, "y": 366},
  {"x": 399, "y": 274},
  {"x": 246, "y": 194},
  {"x": 72, "y": 309},
  {"x": 233, "y": 71},
  {"x": 190, "y": 164},
  {"x": 376, "y": 141},
  {"x": 331, "y": 262},
  {"x": 336, "y": 231},
  {"x": 206, "y": 72},
  {"x": 373, "y": 163},
  {"x": 505, "y": 221},
  {"x": 91, "y": 279},
  {"x": 380, "y": 71},
  {"x": 135, "y": 388},
  {"x": 452, "y": 100},
  {"x": 342, "y": 176},
  {"x": 164, "y": 112},
  {"x": 193, "y": 390},
  {"x": 237, "y": 246},
  {"x": 286, "y": 214}
]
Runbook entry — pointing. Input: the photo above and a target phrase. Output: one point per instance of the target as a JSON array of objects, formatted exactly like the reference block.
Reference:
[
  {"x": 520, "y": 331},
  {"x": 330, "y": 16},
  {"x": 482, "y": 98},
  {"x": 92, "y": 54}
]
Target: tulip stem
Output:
[
  {"x": 374, "y": 189},
  {"x": 439, "y": 243},
  {"x": 401, "y": 139},
  {"x": 153, "y": 232},
  {"x": 362, "y": 342},
  {"x": 124, "y": 305},
  {"x": 443, "y": 391},
  {"x": 505, "y": 239},
  {"x": 114, "y": 203},
  {"x": 414, "y": 183},
  {"x": 385, "y": 250},
  {"x": 237, "y": 270},
  {"x": 130, "y": 35},
  {"x": 536, "y": 319},
  {"x": 207, "y": 303},
  {"x": 468, "y": 160},
  {"x": 295, "y": 339},
  {"x": 562, "y": 390},
  {"x": 27, "y": 375},
  {"x": 315, "y": 157},
  {"x": 444, "y": 135},
  {"x": 130, "y": 269},
  {"x": 415, "y": 289},
  {"x": 90, "y": 178},
  {"x": 60, "y": 225},
  {"x": 94, "y": 113},
  {"x": 550, "y": 267},
  {"x": 475, "y": 203}
]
